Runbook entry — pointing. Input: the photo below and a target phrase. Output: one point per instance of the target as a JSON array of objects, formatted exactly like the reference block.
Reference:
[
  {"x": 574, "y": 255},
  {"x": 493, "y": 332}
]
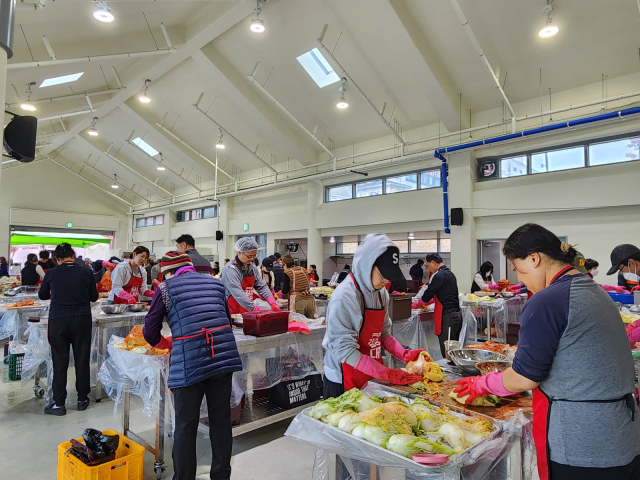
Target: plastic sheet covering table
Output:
[
  {"x": 365, "y": 461},
  {"x": 489, "y": 313}
]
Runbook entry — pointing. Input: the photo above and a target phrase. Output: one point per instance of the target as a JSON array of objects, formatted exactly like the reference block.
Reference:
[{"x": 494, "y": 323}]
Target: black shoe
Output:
[
  {"x": 58, "y": 412},
  {"x": 83, "y": 405}
]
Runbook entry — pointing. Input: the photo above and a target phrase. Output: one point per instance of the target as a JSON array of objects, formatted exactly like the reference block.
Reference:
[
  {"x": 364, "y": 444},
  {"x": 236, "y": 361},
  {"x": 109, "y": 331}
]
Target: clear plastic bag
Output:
[{"x": 469, "y": 332}]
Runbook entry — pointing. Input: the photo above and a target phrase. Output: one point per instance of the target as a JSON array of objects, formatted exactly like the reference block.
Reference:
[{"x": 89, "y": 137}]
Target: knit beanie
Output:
[{"x": 172, "y": 261}]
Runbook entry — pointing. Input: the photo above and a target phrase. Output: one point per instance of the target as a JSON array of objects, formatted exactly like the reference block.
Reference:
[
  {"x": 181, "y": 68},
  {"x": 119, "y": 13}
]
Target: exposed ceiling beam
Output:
[
  {"x": 439, "y": 89},
  {"x": 65, "y": 97},
  {"x": 221, "y": 73},
  {"x": 208, "y": 33}
]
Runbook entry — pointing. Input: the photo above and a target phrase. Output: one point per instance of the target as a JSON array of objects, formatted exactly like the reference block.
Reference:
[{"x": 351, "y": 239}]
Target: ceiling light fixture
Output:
[
  {"x": 144, "y": 97},
  {"x": 219, "y": 144},
  {"x": 160, "y": 166},
  {"x": 115, "y": 182},
  {"x": 342, "y": 102},
  {"x": 103, "y": 14},
  {"x": 93, "y": 131},
  {"x": 411, "y": 236},
  {"x": 257, "y": 24},
  {"x": 549, "y": 30},
  {"x": 28, "y": 106},
  {"x": 332, "y": 239}
]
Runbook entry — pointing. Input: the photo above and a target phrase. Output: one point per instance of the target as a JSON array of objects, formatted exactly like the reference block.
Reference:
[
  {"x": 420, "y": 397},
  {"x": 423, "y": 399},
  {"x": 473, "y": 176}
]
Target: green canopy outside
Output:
[{"x": 21, "y": 239}]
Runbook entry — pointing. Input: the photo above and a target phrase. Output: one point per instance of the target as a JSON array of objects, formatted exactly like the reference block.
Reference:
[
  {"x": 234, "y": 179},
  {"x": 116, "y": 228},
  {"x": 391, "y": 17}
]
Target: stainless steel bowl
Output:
[
  {"x": 111, "y": 309},
  {"x": 492, "y": 366},
  {"x": 508, "y": 294},
  {"x": 634, "y": 308},
  {"x": 466, "y": 359},
  {"x": 137, "y": 307}
]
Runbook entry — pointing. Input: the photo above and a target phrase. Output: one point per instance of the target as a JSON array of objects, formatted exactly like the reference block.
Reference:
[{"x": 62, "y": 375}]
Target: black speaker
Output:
[
  {"x": 218, "y": 235},
  {"x": 20, "y": 138},
  {"x": 456, "y": 216}
]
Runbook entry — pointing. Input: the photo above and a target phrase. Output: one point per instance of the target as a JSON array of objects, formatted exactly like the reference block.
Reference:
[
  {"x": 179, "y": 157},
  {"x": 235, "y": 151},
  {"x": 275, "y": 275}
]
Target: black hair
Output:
[
  {"x": 187, "y": 239},
  {"x": 434, "y": 257},
  {"x": 277, "y": 256},
  {"x": 44, "y": 255},
  {"x": 138, "y": 250},
  {"x": 313, "y": 266},
  {"x": 32, "y": 257},
  {"x": 3, "y": 261},
  {"x": 532, "y": 238},
  {"x": 484, "y": 270},
  {"x": 590, "y": 263},
  {"x": 420, "y": 262},
  {"x": 347, "y": 266},
  {"x": 64, "y": 250}
]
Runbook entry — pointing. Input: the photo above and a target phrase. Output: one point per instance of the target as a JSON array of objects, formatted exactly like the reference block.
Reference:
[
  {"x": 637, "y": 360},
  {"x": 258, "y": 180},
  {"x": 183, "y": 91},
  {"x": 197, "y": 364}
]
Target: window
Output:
[
  {"x": 445, "y": 245},
  {"x": 196, "y": 214},
  {"x": 513, "y": 167},
  {"x": 149, "y": 221},
  {"x": 402, "y": 183},
  {"x": 430, "y": 179},
  {"x": 403, "y": 245},
  {"x": 424, "y": 246},
  {"x": 346, "y": 247},
  {"x": 614, "y": 152},
  {"x": 145, "y": 147},
  {"x": 343, "y": 192},
  {"x": 318, "y": 68},
  {"x": 368, "y": 189},
  {"x": 557, "y": 160}
]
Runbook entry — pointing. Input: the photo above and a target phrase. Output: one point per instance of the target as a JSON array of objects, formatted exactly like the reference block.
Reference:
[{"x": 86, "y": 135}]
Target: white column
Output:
[
  {"x": 464, "y": 248},
  {"x": 226, "y": 250},
  {"x": 314, "y": 239},
  {"x": 4, "y": 228}
]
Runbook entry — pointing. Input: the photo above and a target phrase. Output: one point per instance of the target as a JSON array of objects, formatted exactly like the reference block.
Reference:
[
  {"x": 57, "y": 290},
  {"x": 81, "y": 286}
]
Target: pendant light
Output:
[
  {"x": 115, "y": 181},
  {"x": 28, "y": 106},
  {"x": 411, "y": 236},
  {"x": 93, "y": 131},
  {"x": 332, "y": 239},
  {"x": 257, "y": 24},
  {"x": 160, "y": 166},
  {"x": 144, "y": 97},
  {"x": 219, "y": 144},
  {"x": 342, "y": 102},
  {"x": 103, "y": 14},
  {"x": 549, "y": 30}
]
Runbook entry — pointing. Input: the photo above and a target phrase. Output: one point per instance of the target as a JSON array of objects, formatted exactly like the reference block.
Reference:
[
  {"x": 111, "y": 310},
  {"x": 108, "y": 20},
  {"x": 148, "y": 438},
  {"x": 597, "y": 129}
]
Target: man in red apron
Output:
[
  {"x": 358, "y": 326},
  {"x": 241, "y": 279}
]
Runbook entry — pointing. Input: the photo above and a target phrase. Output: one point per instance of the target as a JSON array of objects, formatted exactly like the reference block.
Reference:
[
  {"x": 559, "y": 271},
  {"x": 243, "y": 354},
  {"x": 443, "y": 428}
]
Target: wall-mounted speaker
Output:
[
  {"x": 218, "y": 235},
  {"x": 20, "y": 138},
  {"x": 456, "y": 216}
]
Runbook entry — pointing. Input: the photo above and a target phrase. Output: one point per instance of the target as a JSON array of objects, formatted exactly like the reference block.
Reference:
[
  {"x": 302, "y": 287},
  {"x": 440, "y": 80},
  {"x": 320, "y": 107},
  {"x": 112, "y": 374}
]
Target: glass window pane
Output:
[
  {"x": 424, "y": 246},
  {"x": 186, "y": 216},
  {"x": 614, "y": 152},
  {"x": 430, "y": 179},
  {"x": 445, "y": 244},
  {"x": 150, "y": 221},
  {"x": 403, "y": 245},
  {"x": 513, "y": 167},
  {"x": 343, "y": 192},
  {"x": 557, "y": 160},
  {"x": 369, "y": 189},
  {"x": 349, "y": 247},
  {"x": 140, "y": 222},
  {"x": 196, "y": 214},
  {"x": 402, "y": 183},
  {"x": 261, "y": 239},
  {"x": 159, "y": 219},
  {"x": 209, "y": 212}
]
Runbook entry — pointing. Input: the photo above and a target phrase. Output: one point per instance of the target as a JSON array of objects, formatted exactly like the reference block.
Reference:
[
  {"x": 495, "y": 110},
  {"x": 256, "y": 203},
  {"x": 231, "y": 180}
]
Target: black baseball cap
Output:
[
  {"x": 389, "y": 264},
  {"x": 268, "y": 263},
  {"x": 621, "y": 254}
]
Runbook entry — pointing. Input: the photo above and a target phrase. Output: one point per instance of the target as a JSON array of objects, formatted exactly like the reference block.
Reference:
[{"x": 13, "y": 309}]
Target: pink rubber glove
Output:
[
  {"x": 300, "y": 327},
  {"x": 274, "y": 304},
  {"x": 392, "y": 346},
  {"x": 375, "y": 369},
  {"x": 481, "y": 386},
  {"x": 258, "y": 309},
  {"x": 635, "y": 289},
  {"x": 417, "y": 304},
  {"x": 124, "y": 295},
  {"x": 148, "y": 293},
  {"x": 166, "y": 342},
  {"x": 633, "y": 332}
]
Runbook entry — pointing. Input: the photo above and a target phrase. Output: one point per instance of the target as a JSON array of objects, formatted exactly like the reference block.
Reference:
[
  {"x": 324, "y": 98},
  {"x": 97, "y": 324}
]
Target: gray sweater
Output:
[{"x": 232, "y": 275}]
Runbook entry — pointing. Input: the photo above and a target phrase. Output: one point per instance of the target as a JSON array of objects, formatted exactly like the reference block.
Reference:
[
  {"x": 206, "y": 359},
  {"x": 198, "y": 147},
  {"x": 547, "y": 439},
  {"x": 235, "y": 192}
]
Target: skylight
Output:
[
  {"x": 49, "y": 82},
  {"x": 318, "y": 68},
  {"x": 145, "y": 147}
]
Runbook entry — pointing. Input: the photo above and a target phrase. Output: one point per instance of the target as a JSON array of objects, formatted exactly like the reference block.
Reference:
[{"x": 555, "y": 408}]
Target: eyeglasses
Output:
[{"x": 249, "y": 257}]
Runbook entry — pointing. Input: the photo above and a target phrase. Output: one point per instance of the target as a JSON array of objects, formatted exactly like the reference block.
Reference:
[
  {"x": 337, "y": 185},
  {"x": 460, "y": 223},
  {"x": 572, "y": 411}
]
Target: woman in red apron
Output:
[
  {"x": 358, "y": 326},
  {"x": 129, "y": 279},
  {"x": 241, "y": 279},
  {"x": 574, "y": 354}
]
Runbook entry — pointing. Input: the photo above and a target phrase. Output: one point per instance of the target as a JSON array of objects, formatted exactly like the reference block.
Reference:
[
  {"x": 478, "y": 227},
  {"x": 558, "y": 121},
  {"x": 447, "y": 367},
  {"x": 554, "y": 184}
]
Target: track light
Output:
[
  {"x": 549, "y": 30},
  {"x": 160, "y": 166},
  {"x": 103, "y": 14},
  {"x": 257, "y": 24},
  {"x": 332, "y": 239},
  {"x": 28, "y": 106},
  {"x": 411, "y": 236},
  {"x": 144, "y": 97},
  {"x": 219, "y": 144},
  {"x": 93, "y": 131},
  {"x": 342, "y": 102},
  {"x": 115, "y": 181}
]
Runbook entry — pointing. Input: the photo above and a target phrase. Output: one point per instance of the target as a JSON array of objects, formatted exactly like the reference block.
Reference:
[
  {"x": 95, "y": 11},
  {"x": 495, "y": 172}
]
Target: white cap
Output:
[{"x": 245, "y": 244}]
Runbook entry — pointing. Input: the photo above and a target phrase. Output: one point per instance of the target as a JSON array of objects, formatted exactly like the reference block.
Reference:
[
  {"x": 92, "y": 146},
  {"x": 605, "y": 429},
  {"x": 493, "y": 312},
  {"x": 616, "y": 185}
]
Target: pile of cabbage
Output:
[{"x": 403, "y": 429}]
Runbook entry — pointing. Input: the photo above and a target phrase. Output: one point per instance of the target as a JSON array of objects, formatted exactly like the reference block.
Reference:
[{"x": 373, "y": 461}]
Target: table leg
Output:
[
  {"x": 159, "y": 464},
  {"x": 126, "y": 406},
  {"x": 98, "y": 365},
  {"x": 489, "y": 320}
]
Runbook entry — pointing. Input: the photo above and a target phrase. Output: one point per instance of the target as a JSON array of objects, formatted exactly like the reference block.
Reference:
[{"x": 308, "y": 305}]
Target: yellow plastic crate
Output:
[{"x": 128, "y": 465}]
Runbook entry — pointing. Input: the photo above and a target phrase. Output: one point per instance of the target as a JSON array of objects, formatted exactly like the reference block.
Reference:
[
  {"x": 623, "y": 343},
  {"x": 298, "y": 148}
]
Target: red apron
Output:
[
  {"x": 133, "y": 288},
  {"x": 247, "y": 285},
  {"x": 437, "y": 311},
  {"x": 369, "y": 343}
]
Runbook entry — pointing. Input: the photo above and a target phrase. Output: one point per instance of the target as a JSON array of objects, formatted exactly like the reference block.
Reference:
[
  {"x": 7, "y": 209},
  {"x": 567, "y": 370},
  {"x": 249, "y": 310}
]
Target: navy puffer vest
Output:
[{"x": 197, "y": 302}]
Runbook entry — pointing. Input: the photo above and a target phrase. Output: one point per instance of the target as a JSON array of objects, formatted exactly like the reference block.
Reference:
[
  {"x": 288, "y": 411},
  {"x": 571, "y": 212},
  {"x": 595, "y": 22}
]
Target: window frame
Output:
[
  {"x": 181, "y": 214},
  {"x": 145, "y": 220}
]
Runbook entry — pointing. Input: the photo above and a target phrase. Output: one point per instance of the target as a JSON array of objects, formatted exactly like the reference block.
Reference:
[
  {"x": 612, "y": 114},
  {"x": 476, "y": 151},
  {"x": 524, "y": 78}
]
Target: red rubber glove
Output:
[
  {"x": 274, "y": 304},
  {"x": 375, "y": 369},
  {"x": 130, "y": 299},
  {"x": 165, "y": 343},
  {"x": 635, "y": 289},
  {"x": 392, "y": 346},
  {"x": 148, "y": 293}
]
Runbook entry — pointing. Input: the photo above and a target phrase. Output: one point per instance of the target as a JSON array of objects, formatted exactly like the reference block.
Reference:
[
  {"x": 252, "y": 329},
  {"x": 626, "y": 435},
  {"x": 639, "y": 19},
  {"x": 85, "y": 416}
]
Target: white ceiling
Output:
[{"x": 392, "y": 56}]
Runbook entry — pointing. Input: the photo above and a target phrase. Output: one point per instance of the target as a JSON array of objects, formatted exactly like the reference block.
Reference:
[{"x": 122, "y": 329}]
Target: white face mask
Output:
[
  {"x": 631, "y": 277},
  {"x": 594, "y": 272}
]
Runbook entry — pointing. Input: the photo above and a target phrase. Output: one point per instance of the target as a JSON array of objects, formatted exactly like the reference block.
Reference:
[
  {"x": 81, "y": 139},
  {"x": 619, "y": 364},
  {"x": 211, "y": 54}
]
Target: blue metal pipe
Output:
[{"x": 503, "y": 138}]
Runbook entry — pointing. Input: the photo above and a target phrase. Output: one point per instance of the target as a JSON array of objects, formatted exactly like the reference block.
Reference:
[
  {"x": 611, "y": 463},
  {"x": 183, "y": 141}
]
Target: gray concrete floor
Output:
[{"x": 29, "y": 442}]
